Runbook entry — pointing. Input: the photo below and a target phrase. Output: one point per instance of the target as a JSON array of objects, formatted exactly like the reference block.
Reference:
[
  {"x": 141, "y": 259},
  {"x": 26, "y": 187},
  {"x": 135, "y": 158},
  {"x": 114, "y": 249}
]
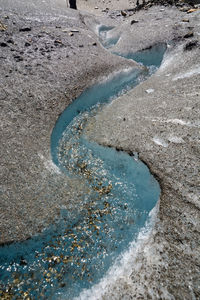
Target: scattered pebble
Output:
[
  {"x": 133, "y": 22},
  {"x": 27, "y": 44},
  {"x": 191, "y": 45},
  {"x": 123, "y": 13},
  {"x": 18, "y": 58},
  {"x": 192, "y": 10},
  {"x": 57, "y": 42},
  {"x": 2, "y": 27},
  {"x": 74, "y": 30},
  {"x": 10, "y": 41},
  {"x": 25, "y": 29},
  {"x": 189, "y": 34},
  {"x": 3, "y": 44}
]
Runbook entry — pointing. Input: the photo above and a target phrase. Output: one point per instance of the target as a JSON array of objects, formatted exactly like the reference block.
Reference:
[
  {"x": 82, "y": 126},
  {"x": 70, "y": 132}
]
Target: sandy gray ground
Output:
[{"x": 44, "y": 65}]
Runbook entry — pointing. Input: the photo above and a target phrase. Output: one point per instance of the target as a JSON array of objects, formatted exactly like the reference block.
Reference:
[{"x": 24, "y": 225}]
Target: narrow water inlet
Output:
[{"x": 76, "y": 252}]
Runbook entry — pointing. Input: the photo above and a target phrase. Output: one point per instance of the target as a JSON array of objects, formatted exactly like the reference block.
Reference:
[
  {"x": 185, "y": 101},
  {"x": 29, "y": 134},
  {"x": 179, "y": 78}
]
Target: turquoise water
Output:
[
  {"x": 151, "y": 57},
  {"x": 76, "y": 252},
  {"x": 107, "y": 42},
  {"x": 98, "y": 94}
]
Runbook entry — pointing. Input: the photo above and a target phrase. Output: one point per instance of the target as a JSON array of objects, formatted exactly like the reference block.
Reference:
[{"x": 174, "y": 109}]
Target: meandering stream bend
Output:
[{"x": 77, "y": 252}]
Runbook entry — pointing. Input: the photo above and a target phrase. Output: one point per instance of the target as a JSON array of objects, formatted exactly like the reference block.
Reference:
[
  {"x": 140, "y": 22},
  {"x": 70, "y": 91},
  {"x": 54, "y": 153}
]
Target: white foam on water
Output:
[
  {"x": 190, "y": 73},
  {"x": 123, "y": 267}
]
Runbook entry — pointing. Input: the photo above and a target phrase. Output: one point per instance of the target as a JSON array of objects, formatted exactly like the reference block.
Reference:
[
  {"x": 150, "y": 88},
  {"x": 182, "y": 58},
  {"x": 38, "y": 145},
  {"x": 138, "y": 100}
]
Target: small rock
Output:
[
  {"x": 23, "y": 262},
  {"x": 10, "y": 41},
  {"x": 70, "y": 33},
  {"x": 192, "y": 10},
  {"x": 184, "y": 9},
  {"x": 57, "y": 42},
  {"x": 25, "y": 29},
  {"x": 74, "y": 30},
  {"x": 96, "y": 7},
  {"x": 185, "y": 20},
  {"x": 3, "y": 44},
  {"x": 190, "y": 45},
  {"x": 18, "y": 58},
  {"x": 2, "y": 27},
  {"x": 94, "y": 44},
  {"x": 27, "y": 44},
  {"x": 133, "y": 22},
  {"x": 189, "y": 34},
  {"x": 123, "y": 13},
  {"x": 81, "y": 46}
]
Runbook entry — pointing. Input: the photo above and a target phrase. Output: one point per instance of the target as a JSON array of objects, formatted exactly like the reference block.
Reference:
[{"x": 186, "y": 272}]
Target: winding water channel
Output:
[{"x": 75, "y": 253}]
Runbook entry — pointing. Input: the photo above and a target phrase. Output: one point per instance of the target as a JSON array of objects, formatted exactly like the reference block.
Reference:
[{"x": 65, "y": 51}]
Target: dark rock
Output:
[
  {"x": 123, "y": 13},
  {"x": 23, "y": 262},
  {"x": 25, "y": 29},
  {"x": 58, "y": 43},
  {"x": 94, "y": 44},
  {"x": 27, "y": 44},
  {"x": 133, "y": 22},
  {"x": 18, "y": 58},
  {"x": 10, "y": 41},
  {"x": 3, "y": 44},
  {"x": 191, "y": 45},
  {"x": 81, "y": 46},
  {"x": 189, "y": 34}
]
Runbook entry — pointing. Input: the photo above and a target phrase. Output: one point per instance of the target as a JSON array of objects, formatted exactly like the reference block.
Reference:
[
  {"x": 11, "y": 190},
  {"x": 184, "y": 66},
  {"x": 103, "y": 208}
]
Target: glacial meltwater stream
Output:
[{"x": 77, "y": 252}]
